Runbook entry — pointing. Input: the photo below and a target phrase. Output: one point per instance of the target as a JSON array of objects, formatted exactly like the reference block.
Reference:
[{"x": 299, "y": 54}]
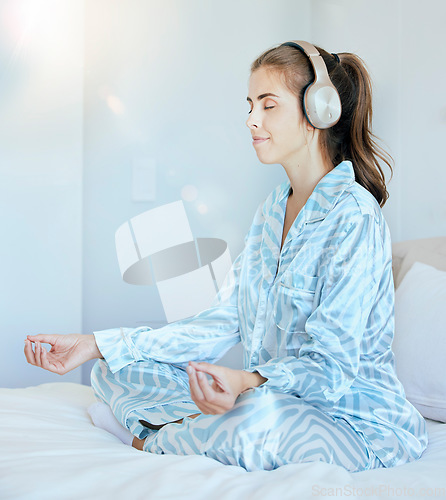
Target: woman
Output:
[{"x": 310, "y": 297}]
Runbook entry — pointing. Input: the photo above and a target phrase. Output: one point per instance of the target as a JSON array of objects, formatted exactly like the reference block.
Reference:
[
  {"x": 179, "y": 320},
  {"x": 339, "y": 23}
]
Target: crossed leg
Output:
[{"x": 264, "y": 430}]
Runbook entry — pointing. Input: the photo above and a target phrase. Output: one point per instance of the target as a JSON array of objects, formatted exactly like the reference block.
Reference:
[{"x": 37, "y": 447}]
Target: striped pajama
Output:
[
  {"x": 264, "y": 430},
  {"x": 315, "y": 318}
]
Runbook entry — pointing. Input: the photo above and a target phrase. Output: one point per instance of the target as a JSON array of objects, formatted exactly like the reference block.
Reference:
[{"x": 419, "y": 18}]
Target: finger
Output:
[
  {"x": 215, "y": 371},
  {"x": 193, "y": 383},
  {"x": 43, "y": 359},
  {"x": 196, "y": 393},
  {"x": 206, "y": 388},
  {"x": 29, "y": 353},
  {"x": 207, "y": 367},
  {"x": 46, "y": 339},
  {"x": 38, "y": 354},
  {"x": 216, "y": 399},
  {"x": 45, "y": 363},
  {"x": 215, "y": 403}
]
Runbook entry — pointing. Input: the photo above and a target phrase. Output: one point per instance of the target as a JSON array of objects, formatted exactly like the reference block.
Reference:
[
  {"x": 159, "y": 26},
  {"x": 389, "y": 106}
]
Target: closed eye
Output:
[{"x": 266, "y": 107}]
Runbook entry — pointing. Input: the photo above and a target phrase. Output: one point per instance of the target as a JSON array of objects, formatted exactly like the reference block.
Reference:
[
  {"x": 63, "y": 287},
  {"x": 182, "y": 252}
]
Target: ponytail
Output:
[
  {"x": 351, "y": 138},
  {"x": 354, "y": 133}
]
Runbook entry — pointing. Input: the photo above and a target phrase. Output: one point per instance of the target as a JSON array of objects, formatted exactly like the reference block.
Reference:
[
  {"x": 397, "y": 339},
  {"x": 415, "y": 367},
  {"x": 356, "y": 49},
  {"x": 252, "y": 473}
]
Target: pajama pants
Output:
[{"x": 264, "y": 430}]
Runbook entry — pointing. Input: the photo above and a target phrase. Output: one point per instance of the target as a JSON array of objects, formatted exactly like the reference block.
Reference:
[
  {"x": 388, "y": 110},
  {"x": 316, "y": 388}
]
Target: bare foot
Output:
[{"x": 138, "y": 443}]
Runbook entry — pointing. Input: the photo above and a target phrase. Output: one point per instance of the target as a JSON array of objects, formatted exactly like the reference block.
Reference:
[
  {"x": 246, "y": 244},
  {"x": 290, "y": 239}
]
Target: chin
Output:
[{"x": 267, "y": 161}]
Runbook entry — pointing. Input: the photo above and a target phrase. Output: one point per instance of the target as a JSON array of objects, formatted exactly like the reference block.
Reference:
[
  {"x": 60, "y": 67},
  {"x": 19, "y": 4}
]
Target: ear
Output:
[
  {"x": 311, "y": 133},
  {"x": 308, "y": 126}
]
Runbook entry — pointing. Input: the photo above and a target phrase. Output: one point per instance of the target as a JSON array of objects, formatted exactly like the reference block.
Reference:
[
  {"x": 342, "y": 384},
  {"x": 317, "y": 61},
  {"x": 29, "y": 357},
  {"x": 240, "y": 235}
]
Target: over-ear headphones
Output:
[{"x": 322, "y": 104}]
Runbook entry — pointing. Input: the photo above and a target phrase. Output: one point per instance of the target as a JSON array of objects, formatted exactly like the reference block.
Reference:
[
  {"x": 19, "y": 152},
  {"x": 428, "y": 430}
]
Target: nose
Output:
[{"x": 253, "y": 121}]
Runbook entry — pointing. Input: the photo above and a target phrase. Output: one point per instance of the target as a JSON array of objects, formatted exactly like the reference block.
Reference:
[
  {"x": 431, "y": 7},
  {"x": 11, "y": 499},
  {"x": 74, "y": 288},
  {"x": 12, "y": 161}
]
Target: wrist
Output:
[
  {"x": 252, "y": 379},
  {"x": 94, "y": 350}
]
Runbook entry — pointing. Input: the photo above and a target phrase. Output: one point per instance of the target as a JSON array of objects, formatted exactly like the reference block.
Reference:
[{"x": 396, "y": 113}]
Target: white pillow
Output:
[
  {"x": 423, "y": 255},
  {"x": 420, "y": 339}
]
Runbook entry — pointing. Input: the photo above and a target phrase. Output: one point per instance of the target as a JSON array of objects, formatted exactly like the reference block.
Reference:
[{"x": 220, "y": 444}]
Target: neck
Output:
[{"x": 304, "y": 176}]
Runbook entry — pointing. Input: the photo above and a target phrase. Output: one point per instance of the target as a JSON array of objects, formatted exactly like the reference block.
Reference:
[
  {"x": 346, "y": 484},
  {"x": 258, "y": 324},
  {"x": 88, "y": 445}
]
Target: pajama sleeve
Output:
[
  {"x": 328, "y": 360},
  {"x": 207, "y": 336}
]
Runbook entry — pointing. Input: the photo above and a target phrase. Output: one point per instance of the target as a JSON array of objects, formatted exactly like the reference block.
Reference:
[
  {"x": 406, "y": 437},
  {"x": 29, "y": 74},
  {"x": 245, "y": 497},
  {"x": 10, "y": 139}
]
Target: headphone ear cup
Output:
[
  {"x": 307, "y": 106},
  {"x": 321, "y": 102},
  {"x": 322, "y": 105}
]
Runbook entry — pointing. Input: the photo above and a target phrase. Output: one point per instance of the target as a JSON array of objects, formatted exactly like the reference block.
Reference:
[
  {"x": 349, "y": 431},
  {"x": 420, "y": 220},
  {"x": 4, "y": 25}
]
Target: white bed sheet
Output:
[{"x": 51, "y": 450}]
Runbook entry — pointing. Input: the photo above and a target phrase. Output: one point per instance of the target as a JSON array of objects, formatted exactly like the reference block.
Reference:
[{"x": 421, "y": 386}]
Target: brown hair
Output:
[{"x": 351, "y": 138}]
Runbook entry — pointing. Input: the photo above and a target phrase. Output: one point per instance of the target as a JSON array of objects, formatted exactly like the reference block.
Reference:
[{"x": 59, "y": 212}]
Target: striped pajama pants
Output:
[{"x": 264, "y": 430}]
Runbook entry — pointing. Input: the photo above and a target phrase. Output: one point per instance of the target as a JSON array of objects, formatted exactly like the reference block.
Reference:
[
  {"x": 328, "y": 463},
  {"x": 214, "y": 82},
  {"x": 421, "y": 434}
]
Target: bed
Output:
[{"x": 51, "y": 450}]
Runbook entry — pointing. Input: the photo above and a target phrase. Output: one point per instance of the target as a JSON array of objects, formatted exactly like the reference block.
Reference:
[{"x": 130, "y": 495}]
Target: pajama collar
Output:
[{"x": 322, "y": 199}]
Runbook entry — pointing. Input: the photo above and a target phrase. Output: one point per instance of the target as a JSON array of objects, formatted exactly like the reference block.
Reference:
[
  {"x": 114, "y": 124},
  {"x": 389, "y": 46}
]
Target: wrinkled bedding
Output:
[{"x": 49, "y": 449}]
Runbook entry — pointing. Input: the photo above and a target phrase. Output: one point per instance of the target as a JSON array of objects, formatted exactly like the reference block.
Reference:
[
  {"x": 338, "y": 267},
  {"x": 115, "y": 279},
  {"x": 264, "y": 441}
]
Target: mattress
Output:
[{"x": 51, "y": 450}]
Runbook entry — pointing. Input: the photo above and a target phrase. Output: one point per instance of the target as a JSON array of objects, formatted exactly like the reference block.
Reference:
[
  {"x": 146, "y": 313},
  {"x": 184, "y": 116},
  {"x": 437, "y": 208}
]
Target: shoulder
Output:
[
  {"x": 357, "y": 205},
  {"x": 359, "y": 217},
  {"x": 363, "y": 200},
  {"x": 357, "y": 201}
]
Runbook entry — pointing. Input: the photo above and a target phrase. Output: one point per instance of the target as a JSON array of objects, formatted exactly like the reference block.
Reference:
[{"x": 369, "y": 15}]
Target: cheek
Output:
[
  {"x": 296, "y": 131},
  {"x": 286, "y": 127}
]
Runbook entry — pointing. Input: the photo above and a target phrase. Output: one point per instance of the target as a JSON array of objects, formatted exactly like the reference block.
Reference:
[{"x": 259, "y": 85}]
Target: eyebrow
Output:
[{"x": 262, "y": 96}]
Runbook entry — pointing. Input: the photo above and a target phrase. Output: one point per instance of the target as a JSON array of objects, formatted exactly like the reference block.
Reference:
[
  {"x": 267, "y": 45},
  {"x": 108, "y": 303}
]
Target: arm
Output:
[
  {"x": 329, "y": 360},
  {"x": 206, "y": 336}
]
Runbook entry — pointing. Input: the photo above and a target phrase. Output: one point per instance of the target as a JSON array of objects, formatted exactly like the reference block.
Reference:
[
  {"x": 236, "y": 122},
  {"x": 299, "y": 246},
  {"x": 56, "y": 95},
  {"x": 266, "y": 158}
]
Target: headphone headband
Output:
[{"x": 322, "y": 104}]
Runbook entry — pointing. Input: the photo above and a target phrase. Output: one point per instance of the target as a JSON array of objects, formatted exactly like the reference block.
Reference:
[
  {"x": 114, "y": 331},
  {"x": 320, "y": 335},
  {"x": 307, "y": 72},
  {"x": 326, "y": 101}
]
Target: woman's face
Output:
[{"x": 276, "y": 122}]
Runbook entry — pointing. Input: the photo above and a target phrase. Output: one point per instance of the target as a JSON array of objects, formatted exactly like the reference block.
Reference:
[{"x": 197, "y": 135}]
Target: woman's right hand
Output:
[{"x": 67, "y": 351}]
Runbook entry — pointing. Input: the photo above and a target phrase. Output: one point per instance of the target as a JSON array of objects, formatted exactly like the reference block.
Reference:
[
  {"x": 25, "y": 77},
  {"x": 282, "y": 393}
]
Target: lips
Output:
[{"x": 259, "y": 140}]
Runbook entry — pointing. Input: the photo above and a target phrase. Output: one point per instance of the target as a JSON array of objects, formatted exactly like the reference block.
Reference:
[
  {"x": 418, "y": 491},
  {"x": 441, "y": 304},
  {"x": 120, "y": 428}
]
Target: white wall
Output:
[
  {"x": 41, "y": 80},
  {"x": 423, "y": 119},
  {"x": 401, "y": 41}
]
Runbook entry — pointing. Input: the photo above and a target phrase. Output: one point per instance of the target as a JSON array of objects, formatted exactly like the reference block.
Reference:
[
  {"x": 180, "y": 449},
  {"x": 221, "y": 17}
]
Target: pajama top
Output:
[{"x": 315, "y": 318}]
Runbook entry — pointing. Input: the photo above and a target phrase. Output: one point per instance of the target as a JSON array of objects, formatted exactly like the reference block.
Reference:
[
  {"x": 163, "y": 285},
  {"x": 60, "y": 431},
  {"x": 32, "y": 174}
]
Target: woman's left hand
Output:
[{"x": 219, "y": 396}]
